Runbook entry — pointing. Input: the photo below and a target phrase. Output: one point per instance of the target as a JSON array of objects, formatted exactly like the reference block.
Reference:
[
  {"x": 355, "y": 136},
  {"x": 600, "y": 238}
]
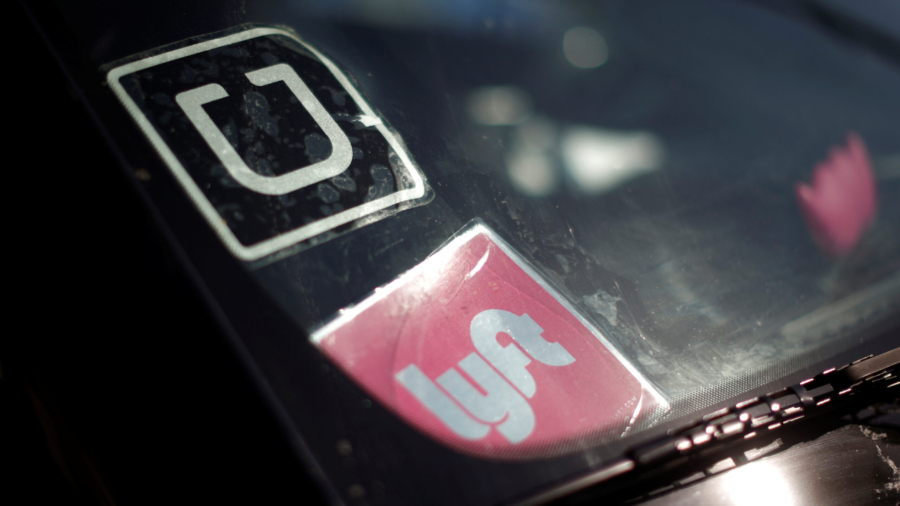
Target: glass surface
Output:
[
  {"x": 644, "y": 156},
  {"x": 648, "y": 160}
]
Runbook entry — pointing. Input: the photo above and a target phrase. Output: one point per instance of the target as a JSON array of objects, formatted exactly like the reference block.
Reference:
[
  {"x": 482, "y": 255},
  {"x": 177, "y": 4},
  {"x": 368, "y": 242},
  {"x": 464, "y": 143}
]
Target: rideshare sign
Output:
[
  {"x": 475, "y": 349},
  {"x": 269, "y": 138}
]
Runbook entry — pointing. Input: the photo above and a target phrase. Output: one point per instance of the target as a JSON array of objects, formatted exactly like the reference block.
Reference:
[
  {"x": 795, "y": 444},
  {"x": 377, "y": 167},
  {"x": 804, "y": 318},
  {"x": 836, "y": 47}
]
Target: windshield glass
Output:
[
  {"x": 682, "y": 201},
  {"x": 645, "y": 156}
]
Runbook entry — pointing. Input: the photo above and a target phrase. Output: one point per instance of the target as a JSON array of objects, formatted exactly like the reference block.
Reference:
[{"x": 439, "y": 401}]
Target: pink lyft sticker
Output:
[{"x": 475, "y": 349}]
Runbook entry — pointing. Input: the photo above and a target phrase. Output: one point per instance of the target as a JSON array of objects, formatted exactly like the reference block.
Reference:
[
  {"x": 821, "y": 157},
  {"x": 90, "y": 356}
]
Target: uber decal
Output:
[
  {"x": 269, "y": 138},
  {"x": 475, "y": 349}
]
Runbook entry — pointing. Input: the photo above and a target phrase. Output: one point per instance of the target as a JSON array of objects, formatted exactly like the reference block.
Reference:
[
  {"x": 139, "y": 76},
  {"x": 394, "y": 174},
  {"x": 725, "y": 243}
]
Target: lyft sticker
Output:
[
  {"x": 269, "y": 138},
  {"x": 475, "y": 349}
]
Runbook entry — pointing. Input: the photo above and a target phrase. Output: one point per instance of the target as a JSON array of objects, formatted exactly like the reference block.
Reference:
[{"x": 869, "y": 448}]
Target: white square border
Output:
[{"x": 279, "y": 242}]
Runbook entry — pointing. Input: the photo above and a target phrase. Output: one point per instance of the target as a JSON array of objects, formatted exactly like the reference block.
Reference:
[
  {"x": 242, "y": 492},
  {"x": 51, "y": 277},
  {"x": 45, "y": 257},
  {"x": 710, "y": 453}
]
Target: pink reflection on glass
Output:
[{"x": 840, "y": 203}]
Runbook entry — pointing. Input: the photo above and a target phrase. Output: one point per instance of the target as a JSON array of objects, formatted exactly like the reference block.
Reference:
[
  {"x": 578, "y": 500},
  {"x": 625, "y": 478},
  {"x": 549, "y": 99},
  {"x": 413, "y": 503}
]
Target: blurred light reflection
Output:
[
  {"x": 600, "y": 160},
  {"x": 531, "y": 160},
  {"x": 585, "y": 48},
  {"x": 499, "y": 105},
  {"x": 757, "y": 483}
]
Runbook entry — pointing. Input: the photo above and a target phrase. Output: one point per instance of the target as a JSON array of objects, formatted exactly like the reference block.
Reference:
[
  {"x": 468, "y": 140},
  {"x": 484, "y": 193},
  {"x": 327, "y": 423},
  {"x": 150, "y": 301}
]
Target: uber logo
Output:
[{"x": 269, "y": 139}]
